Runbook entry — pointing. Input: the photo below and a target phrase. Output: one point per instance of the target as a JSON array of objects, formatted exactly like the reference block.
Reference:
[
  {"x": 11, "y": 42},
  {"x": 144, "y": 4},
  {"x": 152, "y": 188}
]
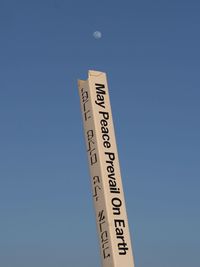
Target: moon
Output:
[{"x": 97, "y": 35}]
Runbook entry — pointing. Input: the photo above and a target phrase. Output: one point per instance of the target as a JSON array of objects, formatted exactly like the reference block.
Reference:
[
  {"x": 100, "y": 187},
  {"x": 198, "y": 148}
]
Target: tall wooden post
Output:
[{"x": 108, "y": 196}]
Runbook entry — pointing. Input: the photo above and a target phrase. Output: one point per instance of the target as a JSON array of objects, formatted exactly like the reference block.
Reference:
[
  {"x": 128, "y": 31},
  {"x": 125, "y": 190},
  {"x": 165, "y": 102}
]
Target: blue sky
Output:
[{"x": 150, "y": 52}]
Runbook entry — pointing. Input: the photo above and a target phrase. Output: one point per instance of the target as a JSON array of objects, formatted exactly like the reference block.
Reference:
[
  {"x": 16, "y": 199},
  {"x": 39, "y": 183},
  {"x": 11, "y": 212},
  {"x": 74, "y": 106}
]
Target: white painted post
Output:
[{"x": 108, "y": 196}]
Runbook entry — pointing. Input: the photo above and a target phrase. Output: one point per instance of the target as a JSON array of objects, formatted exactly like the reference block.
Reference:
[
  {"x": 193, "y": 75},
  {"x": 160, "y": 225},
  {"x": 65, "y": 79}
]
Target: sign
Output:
[{"x": 108, "y": 196}]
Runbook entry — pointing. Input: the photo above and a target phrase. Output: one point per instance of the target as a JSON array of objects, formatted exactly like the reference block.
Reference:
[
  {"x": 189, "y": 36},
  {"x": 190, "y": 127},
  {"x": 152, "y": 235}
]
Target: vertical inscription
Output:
[
  {"x": 117, "y": 201},
  {"x": 102, "y": 225}
]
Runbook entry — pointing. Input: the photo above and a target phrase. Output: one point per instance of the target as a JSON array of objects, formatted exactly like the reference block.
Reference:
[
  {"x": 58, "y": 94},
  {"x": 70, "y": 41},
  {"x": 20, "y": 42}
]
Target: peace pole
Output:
[{"x": 108, "y": 195}]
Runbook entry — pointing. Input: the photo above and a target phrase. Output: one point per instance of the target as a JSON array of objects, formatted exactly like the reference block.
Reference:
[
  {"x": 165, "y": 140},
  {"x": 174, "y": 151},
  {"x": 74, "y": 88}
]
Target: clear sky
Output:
[{"x": 150, "y": 52}]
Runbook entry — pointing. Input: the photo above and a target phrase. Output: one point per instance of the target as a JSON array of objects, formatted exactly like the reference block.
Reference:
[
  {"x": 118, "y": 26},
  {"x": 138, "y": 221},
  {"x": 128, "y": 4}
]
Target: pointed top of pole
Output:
[{"x": 95, "y": 73}]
